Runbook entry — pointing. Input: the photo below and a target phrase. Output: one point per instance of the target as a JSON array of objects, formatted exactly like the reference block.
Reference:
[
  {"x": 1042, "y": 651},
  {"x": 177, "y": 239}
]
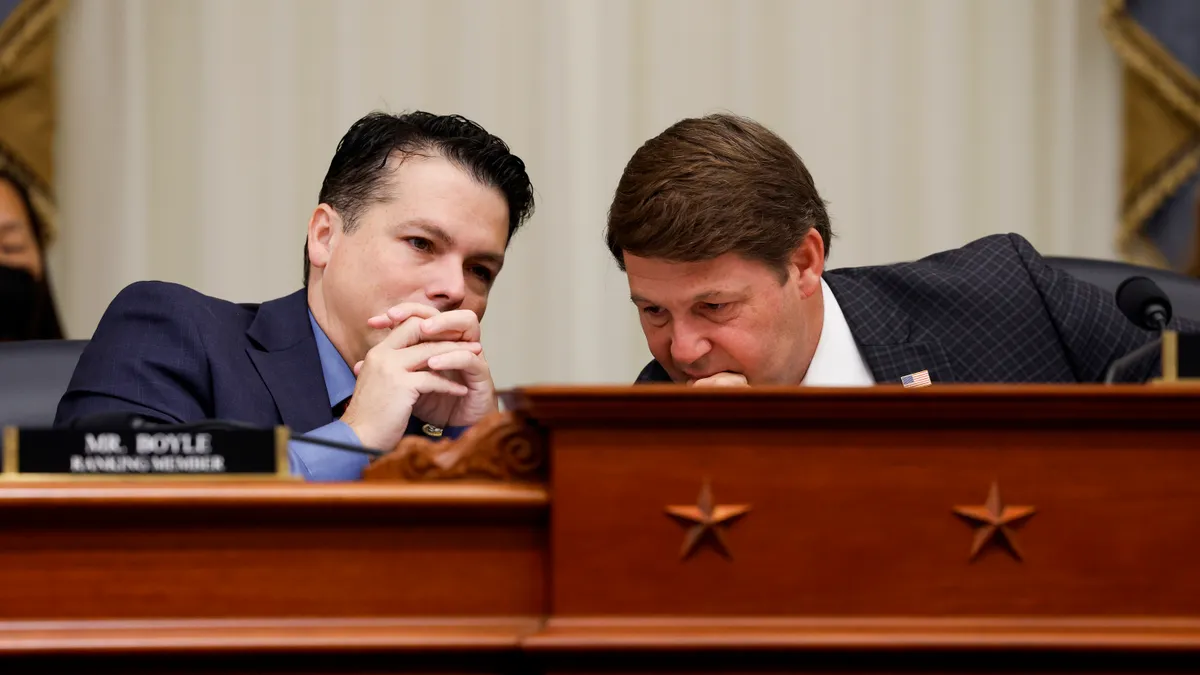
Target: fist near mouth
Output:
[{"x": 721, "y": 380}]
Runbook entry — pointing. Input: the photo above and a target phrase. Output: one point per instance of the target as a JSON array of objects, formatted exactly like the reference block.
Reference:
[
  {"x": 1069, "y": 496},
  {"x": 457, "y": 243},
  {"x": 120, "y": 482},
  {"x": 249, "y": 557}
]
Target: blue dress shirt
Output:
[
  {"x": 319, "y": 462},
  {"x": 322, "y": 463}
]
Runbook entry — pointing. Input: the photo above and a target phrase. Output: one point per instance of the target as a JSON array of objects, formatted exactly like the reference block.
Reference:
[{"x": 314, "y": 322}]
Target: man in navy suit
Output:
[{"x": 416, "y": 212}]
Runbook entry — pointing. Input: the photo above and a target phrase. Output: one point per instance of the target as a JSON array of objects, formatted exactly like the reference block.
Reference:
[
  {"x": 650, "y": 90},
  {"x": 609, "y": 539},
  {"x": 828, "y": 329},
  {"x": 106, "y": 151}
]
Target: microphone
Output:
[
  {"x": 1147, "y": 307},
  {"x": 1144, "y": 303},
  {"x": 138, "y": 421}
]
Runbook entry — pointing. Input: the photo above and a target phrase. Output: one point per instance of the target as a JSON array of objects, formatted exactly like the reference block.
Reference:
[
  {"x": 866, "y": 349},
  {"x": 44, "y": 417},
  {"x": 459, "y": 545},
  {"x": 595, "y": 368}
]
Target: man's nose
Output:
[
  {"x": 447, "y": 288},
  {"x": 688, "y": 345}
]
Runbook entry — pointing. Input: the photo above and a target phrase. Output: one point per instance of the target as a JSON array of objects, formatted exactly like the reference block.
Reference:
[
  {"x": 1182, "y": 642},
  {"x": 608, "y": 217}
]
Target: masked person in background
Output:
[{"x": 27, "y": 310}]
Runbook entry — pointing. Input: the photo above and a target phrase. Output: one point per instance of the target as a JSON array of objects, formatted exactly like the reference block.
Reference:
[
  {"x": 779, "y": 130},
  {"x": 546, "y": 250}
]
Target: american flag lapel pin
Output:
[{"x": 920, "y": 379}]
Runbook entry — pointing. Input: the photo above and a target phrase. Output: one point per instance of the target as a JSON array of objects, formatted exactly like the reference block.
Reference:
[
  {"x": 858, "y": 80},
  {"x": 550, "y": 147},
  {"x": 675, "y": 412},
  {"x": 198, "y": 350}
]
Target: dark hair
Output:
[
  {"x": 714, "y": 185},
  {"x": 43, "y": 323},
  {"x": 359, "y": 169}
]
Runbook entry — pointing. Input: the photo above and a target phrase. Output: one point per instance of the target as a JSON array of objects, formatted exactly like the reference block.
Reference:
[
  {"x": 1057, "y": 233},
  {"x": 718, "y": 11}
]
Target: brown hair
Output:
[{"x": 714, "y": 185}]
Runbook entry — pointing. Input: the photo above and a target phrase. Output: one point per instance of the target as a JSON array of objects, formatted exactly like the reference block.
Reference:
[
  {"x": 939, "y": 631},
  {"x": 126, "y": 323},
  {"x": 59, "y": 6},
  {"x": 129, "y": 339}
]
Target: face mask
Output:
[{"x": 18, "y": 298}]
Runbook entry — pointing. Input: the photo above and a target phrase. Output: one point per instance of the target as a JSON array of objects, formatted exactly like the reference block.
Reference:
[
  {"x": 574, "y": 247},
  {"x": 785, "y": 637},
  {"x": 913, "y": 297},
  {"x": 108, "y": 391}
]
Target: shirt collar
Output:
[
  {"x": 837, "y": 361},
  {"x": 339, "y": 377}
]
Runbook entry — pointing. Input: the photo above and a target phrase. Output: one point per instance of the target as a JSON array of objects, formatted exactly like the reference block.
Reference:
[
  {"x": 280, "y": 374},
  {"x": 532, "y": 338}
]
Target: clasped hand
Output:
[{"x": 430, "y": 365}]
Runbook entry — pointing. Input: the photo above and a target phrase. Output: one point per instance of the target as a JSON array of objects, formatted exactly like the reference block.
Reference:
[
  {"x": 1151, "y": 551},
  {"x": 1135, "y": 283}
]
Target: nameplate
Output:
[{"x": 54, "y": 454}]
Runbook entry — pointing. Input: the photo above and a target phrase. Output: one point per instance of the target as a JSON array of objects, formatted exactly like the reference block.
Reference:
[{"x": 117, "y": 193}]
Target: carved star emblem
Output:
[
  {"x": 707, "y": 521},
  {"x": 993, "y": 522}
]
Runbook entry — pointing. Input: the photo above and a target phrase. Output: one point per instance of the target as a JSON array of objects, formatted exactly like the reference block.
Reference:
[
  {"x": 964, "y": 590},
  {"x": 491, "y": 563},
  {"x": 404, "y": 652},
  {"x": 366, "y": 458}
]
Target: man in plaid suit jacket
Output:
[{"x": 723, "y": 236}]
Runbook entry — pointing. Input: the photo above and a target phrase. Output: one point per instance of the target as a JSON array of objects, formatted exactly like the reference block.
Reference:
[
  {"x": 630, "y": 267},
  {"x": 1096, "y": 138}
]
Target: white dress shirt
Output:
[{"x": 837, "y": 361}]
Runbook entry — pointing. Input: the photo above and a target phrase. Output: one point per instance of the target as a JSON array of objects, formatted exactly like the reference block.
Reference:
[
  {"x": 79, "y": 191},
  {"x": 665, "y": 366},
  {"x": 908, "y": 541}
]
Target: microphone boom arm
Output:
[
  {"x": 218, "y": 425},
  {"x": 1129, "y": 358}
]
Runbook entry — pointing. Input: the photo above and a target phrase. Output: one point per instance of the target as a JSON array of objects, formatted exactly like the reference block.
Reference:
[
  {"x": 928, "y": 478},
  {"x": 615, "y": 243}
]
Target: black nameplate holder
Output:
[{"x": 221, "y": 454}]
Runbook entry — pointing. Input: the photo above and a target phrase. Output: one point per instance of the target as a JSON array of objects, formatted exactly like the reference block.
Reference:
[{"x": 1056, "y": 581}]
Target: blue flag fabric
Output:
[{"x": 7, "y": 7}]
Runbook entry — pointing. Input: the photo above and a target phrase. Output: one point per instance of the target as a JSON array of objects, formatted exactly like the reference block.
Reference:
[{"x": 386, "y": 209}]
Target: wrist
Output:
[{"x": 368, "y": 434}]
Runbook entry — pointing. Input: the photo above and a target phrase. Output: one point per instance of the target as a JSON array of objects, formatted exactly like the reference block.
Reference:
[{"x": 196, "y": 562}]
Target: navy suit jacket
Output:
[{"x": 173, "y": 354}]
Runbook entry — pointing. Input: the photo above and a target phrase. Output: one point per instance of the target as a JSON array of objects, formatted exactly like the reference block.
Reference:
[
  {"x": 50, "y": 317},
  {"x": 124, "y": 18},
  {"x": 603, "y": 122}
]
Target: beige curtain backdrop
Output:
[{"x": 195, "y": 134}]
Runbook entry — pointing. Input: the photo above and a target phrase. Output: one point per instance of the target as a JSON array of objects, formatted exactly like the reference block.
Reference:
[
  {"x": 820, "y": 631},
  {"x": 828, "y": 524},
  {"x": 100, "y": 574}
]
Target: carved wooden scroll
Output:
[{"x": 502, "y": 447}]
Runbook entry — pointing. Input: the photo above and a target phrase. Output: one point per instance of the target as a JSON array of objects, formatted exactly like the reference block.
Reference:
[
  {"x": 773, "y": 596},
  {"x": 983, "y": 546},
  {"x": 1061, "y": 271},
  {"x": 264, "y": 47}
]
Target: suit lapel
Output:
[
  {"x": 884, "y": 333},
  {"x": 292, "y": 381},
  {"x": 285, "y": 354}
]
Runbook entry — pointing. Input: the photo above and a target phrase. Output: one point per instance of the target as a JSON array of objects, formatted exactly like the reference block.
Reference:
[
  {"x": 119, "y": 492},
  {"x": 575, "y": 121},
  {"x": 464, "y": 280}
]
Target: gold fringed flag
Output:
[
  {"x": 28, "y": 101},
  {"x": 1158, "y": 41}
]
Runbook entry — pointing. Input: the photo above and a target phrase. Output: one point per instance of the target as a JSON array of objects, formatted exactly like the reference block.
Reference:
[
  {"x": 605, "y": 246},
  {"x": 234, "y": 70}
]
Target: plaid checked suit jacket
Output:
[{"x": 991, "y": 311}]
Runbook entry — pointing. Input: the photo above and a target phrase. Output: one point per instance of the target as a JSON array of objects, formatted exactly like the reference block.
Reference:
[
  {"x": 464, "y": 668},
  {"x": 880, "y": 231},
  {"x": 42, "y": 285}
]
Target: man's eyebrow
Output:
[
  {"x": 8, "y": 226},
  {"x": 709, "y": 295},
  {"x": 496, "y": 259},
  {"x": 699, "y": 297},
  {"x": 435, "y": 231}
]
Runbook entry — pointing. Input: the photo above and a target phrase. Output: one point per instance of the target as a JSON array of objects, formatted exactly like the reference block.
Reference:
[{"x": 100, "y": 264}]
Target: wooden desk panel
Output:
[
  {"x": 850, "y": 559},
  {"x": 158, "y": 568},
  {"x": 862, "y": 525}
]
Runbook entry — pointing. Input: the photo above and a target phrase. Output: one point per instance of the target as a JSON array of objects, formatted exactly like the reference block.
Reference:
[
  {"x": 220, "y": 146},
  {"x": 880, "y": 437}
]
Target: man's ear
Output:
[
  {"x": 807, "y": 262},
  {"x": 321, "y": 227}
]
